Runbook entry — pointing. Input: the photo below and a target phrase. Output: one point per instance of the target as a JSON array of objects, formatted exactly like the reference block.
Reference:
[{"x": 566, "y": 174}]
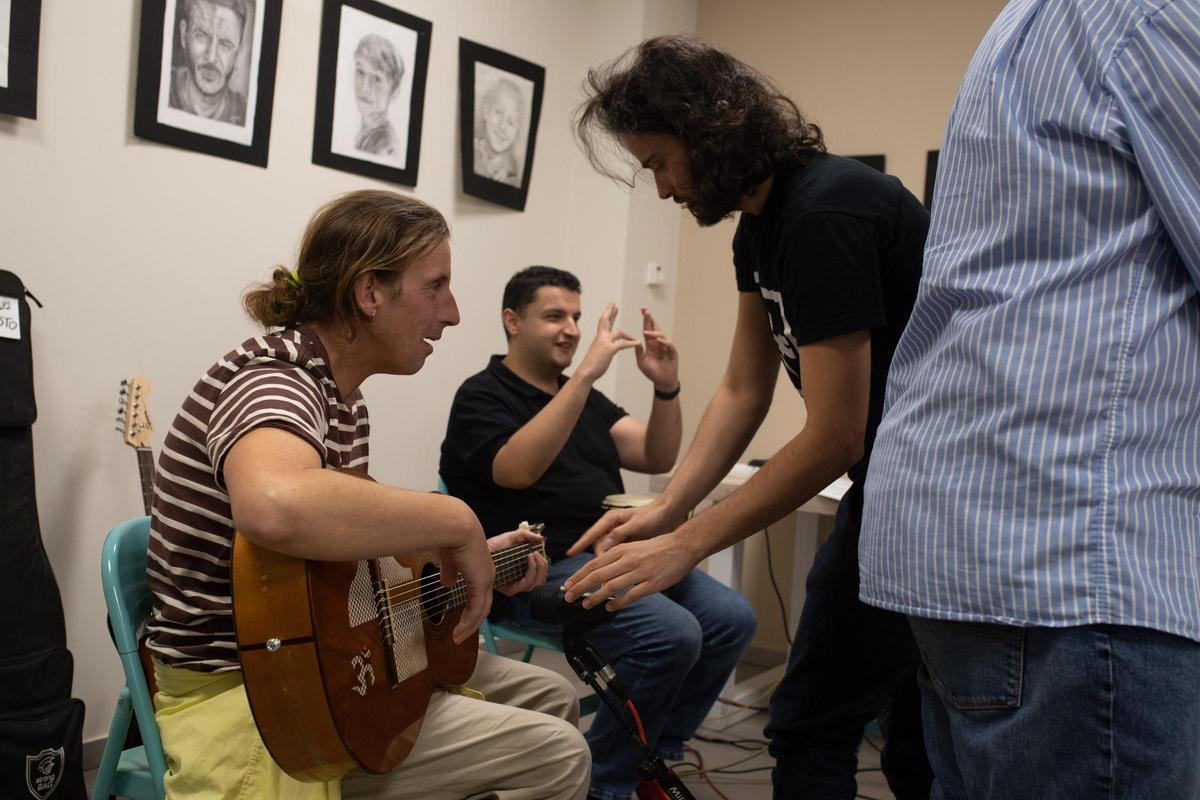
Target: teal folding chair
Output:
[
  {"x": 136, "y": 773},
  {"x": 497, "y": 630},
  {"x": 494, "y": 630}
]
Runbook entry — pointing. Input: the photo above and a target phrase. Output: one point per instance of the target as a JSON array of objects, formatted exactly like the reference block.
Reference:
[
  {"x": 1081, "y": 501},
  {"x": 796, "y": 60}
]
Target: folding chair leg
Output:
[
  {"x": 489, "y": 641},
  {"x": 113, "y": 746}
]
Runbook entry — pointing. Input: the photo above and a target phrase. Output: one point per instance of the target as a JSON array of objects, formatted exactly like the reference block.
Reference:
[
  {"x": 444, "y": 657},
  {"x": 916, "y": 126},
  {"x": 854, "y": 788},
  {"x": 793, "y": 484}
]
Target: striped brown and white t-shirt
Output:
[{"x": 280, "y": 380}]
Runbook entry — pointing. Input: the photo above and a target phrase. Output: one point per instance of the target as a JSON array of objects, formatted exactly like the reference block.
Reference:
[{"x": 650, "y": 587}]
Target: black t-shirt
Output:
[
  {"x": 837, "y": 249},
  {"x": 490, "y": 407}
]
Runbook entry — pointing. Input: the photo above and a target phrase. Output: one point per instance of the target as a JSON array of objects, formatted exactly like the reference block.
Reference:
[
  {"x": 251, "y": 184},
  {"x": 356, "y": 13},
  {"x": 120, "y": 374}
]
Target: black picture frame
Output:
[
  {"x": 241, "y": 129},
  {"x": 488, "y": 77},
  {"x": 931, "y": 159},
  {"x": 18, "y": 96},
  {"x": 876, "y": 162},
  {"x": 388, "y": 50}
]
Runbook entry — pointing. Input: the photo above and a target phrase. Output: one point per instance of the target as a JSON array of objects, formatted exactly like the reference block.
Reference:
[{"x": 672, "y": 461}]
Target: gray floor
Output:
[{"x": 716, "y": 756}]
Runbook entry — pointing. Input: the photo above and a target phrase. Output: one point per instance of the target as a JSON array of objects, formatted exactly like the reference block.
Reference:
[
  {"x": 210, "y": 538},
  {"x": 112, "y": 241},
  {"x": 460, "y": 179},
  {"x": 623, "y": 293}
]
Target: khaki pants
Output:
[
  {"x": 522, "y": 744},
  {"x": 501, "y": 749}
]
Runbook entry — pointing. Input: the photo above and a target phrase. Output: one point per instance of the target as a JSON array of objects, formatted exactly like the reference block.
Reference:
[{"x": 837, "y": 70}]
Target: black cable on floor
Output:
[
  {"x": 741, "y": 744},
  {"x": 787, "y": 628}
]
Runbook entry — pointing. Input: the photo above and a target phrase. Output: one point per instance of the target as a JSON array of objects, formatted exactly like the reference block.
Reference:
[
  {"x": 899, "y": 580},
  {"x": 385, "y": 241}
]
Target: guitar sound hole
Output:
[{"x": 434, "y": 596}]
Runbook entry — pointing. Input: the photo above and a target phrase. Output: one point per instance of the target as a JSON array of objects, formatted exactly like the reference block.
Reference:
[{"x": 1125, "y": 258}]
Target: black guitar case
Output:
[{"x": 41, "y": 725}]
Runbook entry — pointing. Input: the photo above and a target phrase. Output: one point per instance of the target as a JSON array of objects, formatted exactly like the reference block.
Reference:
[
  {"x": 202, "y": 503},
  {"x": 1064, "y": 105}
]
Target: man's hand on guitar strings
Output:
[
  {"x": 536, "y": 568},
  {"x": 473, "y": 561}
]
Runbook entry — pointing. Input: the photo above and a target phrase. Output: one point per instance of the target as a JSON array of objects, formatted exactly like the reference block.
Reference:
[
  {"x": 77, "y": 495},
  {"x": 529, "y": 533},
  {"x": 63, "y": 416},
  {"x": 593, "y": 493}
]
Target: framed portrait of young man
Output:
[
  {"x": 500, "y": 99},
  {"x": 19, "y": 27},
  {"x": 371, "y": 90},
  {"x": 206, "y": 75}
]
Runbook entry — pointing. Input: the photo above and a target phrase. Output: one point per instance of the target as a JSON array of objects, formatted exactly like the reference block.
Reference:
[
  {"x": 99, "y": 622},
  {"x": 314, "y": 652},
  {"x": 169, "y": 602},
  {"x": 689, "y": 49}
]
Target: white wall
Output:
[{"x": 140, "y": 252}]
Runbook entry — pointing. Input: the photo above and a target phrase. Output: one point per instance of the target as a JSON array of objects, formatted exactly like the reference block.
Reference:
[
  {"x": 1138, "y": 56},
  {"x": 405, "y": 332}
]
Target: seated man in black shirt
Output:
[{"x": 526, "y": 442}]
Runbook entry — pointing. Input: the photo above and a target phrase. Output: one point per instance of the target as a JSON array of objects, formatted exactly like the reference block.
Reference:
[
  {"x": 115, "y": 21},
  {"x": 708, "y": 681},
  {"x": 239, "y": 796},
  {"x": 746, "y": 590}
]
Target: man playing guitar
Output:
[{"x": 263, "y": 445}]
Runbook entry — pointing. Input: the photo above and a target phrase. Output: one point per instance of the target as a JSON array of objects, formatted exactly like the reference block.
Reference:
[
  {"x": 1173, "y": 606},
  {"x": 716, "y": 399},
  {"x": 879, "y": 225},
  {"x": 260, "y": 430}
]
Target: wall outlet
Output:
[{"x": 655, "y": 274}]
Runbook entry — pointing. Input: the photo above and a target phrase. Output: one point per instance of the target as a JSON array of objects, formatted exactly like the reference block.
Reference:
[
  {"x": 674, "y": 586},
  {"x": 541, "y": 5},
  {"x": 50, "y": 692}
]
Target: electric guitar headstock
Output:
[
  {"x": 133, "y": 415},
  {"x": 135, "y": 427}
]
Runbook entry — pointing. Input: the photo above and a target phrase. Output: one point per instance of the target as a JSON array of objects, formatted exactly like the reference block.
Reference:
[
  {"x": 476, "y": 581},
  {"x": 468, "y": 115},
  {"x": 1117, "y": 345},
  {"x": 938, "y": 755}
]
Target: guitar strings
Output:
[
  {"x": 411, "y": 589},
  {"x": 409, "y": 614},
  {"x": 437, "y": 592},
  {"x": 503, "y": 559}
]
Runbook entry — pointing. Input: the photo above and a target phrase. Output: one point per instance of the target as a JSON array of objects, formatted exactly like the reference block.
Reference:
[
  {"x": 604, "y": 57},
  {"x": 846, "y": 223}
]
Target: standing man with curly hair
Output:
[{"x": 827, "y": 256}]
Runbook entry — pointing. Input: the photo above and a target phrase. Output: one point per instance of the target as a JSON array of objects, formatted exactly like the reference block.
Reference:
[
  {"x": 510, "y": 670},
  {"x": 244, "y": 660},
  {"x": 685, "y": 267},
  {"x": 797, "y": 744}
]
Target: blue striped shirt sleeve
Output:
[{"x": 1155, "y": 83}]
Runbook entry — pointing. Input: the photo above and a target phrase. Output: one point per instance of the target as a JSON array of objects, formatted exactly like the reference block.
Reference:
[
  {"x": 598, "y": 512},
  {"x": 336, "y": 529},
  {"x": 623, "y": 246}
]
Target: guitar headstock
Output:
[
  {"x": 535, "y": 527},
  {"x": 133, "y": 415}
]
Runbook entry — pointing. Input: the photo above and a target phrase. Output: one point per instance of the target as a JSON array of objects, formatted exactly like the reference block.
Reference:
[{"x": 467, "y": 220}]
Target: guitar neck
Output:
[
  {"x": 146, "y": 473},
  {"x": 511, "y": 564}
]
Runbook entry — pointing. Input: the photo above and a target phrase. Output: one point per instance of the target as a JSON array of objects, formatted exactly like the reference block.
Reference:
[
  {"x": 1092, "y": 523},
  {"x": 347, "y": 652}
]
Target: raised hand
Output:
[
  {"x": 657, "y": 357},
  {"x": 535, "y": 574},
  {"x": 608, "y": 343}
]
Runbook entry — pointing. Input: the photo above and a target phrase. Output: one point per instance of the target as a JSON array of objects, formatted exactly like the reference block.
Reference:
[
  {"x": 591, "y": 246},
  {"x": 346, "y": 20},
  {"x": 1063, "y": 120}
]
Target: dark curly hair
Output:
[{"x": 736, "y": 127}]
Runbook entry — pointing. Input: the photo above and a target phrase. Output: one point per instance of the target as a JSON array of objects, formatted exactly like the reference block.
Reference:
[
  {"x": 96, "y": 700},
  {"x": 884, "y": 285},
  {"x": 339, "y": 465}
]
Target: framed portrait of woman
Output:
[
  {"x": 206, "y": 75},
  {"x": 500, "y": 98},
  {"x": 20, "y": 21},
  {"x": 371, "y": 90}
]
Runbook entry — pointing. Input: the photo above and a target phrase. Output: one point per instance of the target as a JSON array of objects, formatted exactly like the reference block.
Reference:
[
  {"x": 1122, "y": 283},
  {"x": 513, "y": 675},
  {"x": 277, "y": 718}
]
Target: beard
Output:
[
  {"x": 711, "y": 203},
  {"x": 209, "y": 78}
]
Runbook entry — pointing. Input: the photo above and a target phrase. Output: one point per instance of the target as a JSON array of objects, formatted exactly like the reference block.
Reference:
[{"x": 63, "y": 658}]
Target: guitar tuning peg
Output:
[
  {"x": 119, "y": 429},
  {"x": 124, "y": 381}
]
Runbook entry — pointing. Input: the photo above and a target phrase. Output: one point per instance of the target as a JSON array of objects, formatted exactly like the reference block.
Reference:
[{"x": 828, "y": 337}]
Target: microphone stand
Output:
[{"x": 596, "y": 673}]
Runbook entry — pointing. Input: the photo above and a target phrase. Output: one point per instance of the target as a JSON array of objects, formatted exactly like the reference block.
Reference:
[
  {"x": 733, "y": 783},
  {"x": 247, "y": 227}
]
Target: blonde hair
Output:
[{"x": 356, "y": 233}]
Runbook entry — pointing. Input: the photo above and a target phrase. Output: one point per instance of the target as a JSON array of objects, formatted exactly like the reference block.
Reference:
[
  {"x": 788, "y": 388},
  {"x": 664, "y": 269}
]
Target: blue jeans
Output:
[
  {"x": 849, "y": 664},
  {"x": 1097, "y": 711},
  {"x": 672, "y": 652}
]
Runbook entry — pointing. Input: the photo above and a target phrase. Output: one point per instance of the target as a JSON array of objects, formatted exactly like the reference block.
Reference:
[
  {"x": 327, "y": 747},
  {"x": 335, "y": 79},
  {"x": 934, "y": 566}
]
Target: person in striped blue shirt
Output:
[{"x": 1034, "y": 498}]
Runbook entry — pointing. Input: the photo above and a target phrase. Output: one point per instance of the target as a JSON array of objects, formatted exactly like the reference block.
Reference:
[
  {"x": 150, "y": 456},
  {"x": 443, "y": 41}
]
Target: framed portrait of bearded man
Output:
[{"x": 206, "y": 75}]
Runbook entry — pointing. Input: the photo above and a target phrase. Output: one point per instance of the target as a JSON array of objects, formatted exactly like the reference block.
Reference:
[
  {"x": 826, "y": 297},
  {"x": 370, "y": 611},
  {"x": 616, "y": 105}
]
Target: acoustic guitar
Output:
[{"x": 340, "y": 659}]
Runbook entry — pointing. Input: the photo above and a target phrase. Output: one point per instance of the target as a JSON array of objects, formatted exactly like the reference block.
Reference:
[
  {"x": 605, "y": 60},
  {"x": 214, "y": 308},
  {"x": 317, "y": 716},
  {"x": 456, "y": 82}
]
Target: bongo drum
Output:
[{"x": 630, "y": 500}]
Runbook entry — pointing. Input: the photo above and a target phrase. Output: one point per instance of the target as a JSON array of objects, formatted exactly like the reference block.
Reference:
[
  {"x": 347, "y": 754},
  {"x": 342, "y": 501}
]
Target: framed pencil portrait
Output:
[
  {"x": 206, "y": 75},
  {"x": 931, "y": 161},
  {"x": 875, "y": 162},
  {"x": 371, "y": 90},
  {"x": 500, "y": 98},
  {"x": 20, "y": 21}
]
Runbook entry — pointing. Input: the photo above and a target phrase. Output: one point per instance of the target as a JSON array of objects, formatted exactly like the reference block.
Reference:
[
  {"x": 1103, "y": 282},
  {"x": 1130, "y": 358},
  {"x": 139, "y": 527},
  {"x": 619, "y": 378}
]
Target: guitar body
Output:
[{"x": 337, "y": 681}]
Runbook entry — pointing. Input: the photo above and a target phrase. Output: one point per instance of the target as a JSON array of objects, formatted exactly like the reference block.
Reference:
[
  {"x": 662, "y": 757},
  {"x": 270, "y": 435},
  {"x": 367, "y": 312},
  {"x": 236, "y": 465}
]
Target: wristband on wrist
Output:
[{"x": 671, "y": 395}]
